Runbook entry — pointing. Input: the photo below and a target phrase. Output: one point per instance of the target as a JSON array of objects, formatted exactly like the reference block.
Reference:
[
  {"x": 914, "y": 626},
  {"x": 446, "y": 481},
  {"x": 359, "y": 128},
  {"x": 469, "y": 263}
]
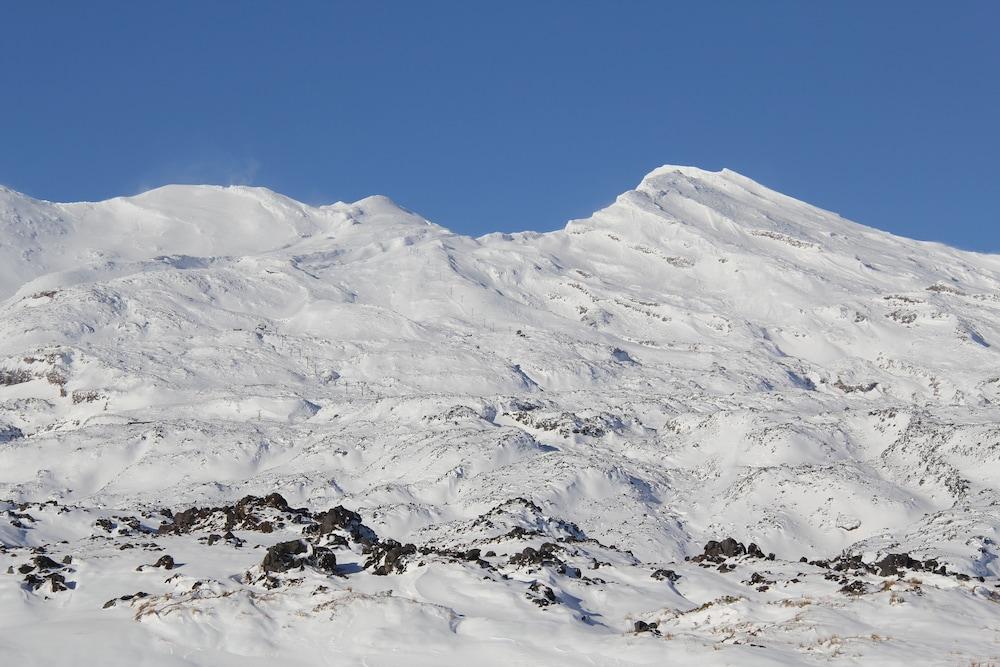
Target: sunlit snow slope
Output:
[{"x": 703, "y": 358}]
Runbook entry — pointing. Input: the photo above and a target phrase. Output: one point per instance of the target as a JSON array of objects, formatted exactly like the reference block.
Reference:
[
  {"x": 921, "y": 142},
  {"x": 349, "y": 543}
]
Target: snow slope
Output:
[{"x": 704, "y": 358}]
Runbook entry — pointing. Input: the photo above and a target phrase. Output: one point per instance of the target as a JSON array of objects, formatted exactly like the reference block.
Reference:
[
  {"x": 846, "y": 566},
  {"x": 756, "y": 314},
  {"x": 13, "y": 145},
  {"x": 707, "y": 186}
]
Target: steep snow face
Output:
[
  {"x": 705, "y": 357},
  {"x": 805, "y": 283}
]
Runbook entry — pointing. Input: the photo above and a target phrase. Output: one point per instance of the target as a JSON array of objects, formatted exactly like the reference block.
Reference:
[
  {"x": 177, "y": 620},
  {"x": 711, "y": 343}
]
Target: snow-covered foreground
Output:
[{"x": 539, "y": 435}]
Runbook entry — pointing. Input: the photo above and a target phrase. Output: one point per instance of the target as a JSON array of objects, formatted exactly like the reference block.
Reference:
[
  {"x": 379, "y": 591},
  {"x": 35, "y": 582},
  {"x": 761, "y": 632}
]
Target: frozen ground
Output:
[{"x": 703, "y": 359}]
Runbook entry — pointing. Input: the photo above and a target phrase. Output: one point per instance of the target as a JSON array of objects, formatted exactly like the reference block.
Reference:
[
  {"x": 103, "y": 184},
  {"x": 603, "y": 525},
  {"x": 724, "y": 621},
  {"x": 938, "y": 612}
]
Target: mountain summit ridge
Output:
[{"x": 713, "y": 191}]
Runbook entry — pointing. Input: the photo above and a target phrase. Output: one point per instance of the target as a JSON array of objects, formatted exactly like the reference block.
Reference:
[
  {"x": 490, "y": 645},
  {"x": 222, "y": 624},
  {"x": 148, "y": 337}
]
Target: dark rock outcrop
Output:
[
  {"x": 542, "y": 595},
  {"x": 293, "y": 554},
  {"x": 341, "y": 518},
  {"x": 717, "y": 552},
  {"x": 389, "y": 556},
  {"x": 284, "y": 556},
  {"x": 248, "y": 513},
  {"x": 166, "y": 562},
  {"x": 643, "y": 626},
  {"x": 891, "y": 565}
]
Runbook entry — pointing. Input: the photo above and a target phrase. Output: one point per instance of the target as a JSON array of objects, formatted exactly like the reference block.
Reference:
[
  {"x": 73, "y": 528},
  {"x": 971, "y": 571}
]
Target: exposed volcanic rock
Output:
[
  {"x": 389, "y": 556},
  {"x": 339, "y": 518},
  {"x": 249, "y": 513}
]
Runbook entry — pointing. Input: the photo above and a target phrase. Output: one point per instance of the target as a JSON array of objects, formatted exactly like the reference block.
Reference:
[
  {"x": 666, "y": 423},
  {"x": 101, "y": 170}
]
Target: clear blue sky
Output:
[{"x": 513, "y": 115}]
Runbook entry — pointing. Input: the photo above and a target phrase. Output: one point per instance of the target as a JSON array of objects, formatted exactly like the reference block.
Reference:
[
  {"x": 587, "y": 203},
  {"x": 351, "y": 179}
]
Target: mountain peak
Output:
[
  {"x": 728, "y": 199},
  {"x": 683, "y": 170},
  {"x": 725, "y": 180}
]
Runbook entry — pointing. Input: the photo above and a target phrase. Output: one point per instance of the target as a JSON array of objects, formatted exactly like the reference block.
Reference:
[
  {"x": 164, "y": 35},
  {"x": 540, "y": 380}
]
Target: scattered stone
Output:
[
  {"x": 285, "y": 556},
  {"x": 45, "y": 563},
  {"x": 341, "y": 518},
  {"x": 892, "y": 563},
  {"x": 389, "y": 556},
  {"x": 166, "y": 562},
  {"x": 643, "y": 626},
  {"x": 125, "y": 598},
  {"x": 230, "y": 537},
  {"x": 543, "y": 595},
  {"x": 856, "y": 587},
  {"x": 758, "y": 578},
  {"x": 544, "y": 555},
  {"x": 56, "y": 581},
  {"x": 716, "y": 552}
]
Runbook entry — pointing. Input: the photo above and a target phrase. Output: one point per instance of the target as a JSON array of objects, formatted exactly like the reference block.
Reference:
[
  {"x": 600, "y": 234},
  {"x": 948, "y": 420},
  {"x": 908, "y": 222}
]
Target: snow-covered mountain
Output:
[{"x": 705, "y": 358}]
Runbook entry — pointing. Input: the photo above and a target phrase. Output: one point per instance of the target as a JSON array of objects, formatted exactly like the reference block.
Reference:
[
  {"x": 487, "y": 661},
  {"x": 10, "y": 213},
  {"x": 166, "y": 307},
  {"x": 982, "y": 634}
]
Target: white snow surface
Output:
[{"x": 703, "y": 358}]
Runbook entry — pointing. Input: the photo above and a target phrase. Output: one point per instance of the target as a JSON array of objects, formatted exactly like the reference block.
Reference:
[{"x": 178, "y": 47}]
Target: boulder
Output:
[{"x": 284, "y": 556}]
